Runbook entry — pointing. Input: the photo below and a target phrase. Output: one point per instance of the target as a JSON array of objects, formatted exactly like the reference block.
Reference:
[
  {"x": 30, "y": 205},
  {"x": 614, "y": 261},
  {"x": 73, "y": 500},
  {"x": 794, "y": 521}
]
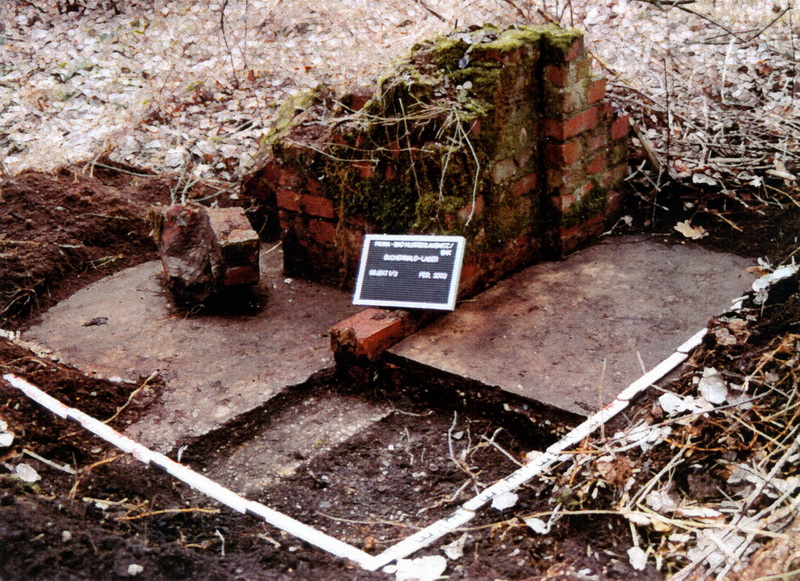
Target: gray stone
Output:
[{"x": 204, "y": 250}]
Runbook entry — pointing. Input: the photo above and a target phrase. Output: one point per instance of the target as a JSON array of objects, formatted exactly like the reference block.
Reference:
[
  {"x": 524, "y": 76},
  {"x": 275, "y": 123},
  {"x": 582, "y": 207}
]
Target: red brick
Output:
[
  {"x": 313, "y": 187},
  {"x": 317, "y": 206},
  {"x": 368, "y": 333},
  {"x": 620, "y": 127},
  {"x": 236, "y": 275},
  {"x": 390, "y": 173},
  {"x": 288, "y": 200},
  {"x": 469, "y": 270},
  {"x": 597, "y": 140},
  {"x": 558, "y": 76},
  {"x": 287, "y": 177},
  {"x": 596, "y": 164},
  {"x": 464, "y": 213},
  {"x": 525, "y": 185},
  {"x": 322, "y": 231},
  {"x": 597, "y": 90},
  {"x": 613, "y": 177},
  {"x": 562, "y": 154},
  {"x": 575, "y": 50},
  {"x": 365, "y": 170},
  {"x": 574, "y": 236},
  {"x": 575, "y": 125}
]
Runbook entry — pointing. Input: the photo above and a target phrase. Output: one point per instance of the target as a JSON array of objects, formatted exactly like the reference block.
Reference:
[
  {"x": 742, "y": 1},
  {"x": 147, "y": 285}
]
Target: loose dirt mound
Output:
[{"x": 64, "y": 230}]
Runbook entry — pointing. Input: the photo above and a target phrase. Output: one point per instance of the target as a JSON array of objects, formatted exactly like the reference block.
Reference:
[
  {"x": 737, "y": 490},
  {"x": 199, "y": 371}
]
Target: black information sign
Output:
[{"x": 410, "y": 271}]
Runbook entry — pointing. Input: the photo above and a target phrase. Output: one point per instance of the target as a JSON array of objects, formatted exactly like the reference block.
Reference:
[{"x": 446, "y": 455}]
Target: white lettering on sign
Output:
[
  {"x": 409, "y": 258},
  {"x": 382, "y": 272},
  {"x": 419, "y": 244},
  {"x": 414, "y": 271}
]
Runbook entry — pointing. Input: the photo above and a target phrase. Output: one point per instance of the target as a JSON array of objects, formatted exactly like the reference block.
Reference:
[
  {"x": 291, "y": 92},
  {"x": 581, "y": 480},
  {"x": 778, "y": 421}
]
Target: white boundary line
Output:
[
  {"x": 407, "y": 546},
  {"x": 195, "y": 480}
]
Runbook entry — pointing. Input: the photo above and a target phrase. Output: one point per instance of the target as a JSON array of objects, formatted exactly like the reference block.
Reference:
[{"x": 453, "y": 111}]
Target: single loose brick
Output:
[{"x": 368, "y": 333}]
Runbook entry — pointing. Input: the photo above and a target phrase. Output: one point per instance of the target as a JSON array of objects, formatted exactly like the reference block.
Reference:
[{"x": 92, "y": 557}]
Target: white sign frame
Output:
[{"x": 399, "y": 261}]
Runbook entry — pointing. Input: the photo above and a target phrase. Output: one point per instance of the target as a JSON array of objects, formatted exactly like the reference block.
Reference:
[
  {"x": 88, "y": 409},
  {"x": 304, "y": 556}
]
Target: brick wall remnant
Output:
[{"x": 501, "y": 136}]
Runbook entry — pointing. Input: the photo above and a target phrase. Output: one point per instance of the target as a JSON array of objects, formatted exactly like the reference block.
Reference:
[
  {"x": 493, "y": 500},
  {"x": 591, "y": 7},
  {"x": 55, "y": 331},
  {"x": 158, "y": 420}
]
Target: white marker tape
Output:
[
  {"x": 407, "y": 546},
  {"x": 193, "y": 479},
  {"x": 552, "y": 455}
]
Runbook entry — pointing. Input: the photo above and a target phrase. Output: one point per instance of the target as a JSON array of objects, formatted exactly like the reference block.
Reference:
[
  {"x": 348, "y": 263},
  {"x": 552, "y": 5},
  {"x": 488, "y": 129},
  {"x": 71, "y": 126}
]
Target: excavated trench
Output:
[
  {"x": 407, "y": 447},
  {"x": 254, "y": 403}
]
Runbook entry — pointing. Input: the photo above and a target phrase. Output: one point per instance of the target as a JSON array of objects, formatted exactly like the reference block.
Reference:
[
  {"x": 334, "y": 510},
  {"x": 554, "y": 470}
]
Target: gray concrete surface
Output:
[
  {"x": 215, "y": 367},
  {"x": 571, "y": 334}
]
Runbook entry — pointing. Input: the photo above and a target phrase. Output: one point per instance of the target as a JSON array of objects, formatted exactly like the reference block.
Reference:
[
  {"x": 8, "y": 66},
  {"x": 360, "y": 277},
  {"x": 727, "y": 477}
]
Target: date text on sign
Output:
[{"x": 410, "y": 271}]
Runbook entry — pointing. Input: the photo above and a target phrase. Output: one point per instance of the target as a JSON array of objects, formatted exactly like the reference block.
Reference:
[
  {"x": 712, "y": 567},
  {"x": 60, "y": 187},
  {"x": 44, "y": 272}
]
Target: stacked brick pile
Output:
[
  {"x": 585, "y": 149},
  {"x": 503, "y": 137}
]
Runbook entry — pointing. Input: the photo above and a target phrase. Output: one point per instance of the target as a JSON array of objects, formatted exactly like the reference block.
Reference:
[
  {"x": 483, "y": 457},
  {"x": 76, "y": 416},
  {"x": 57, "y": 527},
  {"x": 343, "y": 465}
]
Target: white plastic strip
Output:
[
  {"x": 195, "y": 480},
  {"x": 552, "y": 455},
  {"x": 407, "y": 546}
]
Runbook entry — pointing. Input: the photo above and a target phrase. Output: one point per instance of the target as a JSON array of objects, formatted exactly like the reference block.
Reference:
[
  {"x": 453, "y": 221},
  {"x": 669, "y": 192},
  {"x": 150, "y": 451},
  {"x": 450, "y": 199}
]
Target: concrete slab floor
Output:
[
  {"x": 573, "y": 334},
  {"x": 215, "y": 367}
]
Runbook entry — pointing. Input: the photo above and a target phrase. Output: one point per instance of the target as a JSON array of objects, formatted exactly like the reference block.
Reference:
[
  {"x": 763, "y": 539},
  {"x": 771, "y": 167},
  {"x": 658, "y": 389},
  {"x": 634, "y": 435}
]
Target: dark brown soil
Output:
[{"x": 63, "y": 231}]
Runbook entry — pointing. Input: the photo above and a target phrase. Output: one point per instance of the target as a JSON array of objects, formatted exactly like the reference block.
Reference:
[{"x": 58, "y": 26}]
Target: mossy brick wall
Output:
[{"x": 502, "y": 136}]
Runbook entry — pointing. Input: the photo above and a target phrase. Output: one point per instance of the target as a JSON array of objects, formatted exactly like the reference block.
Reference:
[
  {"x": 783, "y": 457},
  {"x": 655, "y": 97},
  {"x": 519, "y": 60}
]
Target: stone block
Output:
[
  {"x": 238, "y": 242},
  {"x": 203, "y": 250}
]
